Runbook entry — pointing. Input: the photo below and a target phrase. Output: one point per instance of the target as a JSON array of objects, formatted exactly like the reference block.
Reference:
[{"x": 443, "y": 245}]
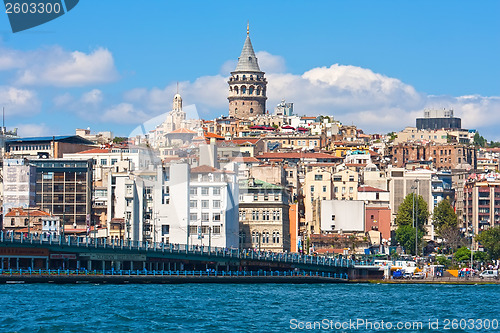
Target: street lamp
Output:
[{"x": 415, "y": 218}]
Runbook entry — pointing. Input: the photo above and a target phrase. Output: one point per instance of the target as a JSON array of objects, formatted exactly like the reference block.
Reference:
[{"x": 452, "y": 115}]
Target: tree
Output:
[
  {"x": 444, "y": 216},
  {"x": 412, "y": 209},
  {"x": 462, "y": 255},
  {"x": 452, "y": 237},
  {"x": 490, "y": 240},
  {"x": 479, "y": 140},
  {"x": 119, "y": 139},
  {"x": 405, "y": 235}
]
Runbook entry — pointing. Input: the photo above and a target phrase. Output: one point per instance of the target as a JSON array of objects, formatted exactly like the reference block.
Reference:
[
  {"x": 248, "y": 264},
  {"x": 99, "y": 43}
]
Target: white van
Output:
[{"x": 489, "y": 274}]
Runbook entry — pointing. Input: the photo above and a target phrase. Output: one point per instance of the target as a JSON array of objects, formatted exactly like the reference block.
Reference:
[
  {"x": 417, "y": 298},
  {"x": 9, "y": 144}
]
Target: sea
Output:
[{"x": 249, "y": 308}]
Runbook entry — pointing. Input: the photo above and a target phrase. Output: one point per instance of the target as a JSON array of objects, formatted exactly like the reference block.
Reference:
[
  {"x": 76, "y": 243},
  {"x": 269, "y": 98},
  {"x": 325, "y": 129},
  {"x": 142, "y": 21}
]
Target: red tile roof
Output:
[
  {"x": 183, "y": 131},
  {"x": 96, "y": 151},
  {"x": 366, "y": 188},
  {"x": 22, "y": 212},
  {"x": 208, "y": 169},
  {"x": 297, "y": 155}
]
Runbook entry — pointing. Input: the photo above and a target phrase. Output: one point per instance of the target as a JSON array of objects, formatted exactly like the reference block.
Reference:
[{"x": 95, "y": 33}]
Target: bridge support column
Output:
[
  {"x": 103, "y": 265},
  {"x": 1, "y": 258},
  {"x": 90, "y": 265},
  {"x": 143, "y": 265},
  {"x": 32, "y": 263},
  {"x": 78, "y": 264},
  {"x": 17, "y": 263},
  {"x": 131, "y": 265},
  {"x": 47, "y": 264}
]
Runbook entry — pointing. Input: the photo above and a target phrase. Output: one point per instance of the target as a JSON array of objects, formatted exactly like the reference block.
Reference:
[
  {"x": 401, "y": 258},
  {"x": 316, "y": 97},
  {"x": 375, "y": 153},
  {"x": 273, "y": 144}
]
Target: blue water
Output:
[{"x": 243, "y": 308}]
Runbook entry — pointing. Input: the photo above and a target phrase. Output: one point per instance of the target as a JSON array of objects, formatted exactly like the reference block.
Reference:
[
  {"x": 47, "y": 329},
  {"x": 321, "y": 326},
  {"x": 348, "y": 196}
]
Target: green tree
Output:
[
  {"x": 119, "y": 139},
  {"x": 479, "y": 140},
  {"x": 412, "y": 209},
  {"x": 490, "y": 240},
  {"x": 405, "y": 235},
  {"x": 462, "y": 255},
  {"x": 444, "y": 216}
]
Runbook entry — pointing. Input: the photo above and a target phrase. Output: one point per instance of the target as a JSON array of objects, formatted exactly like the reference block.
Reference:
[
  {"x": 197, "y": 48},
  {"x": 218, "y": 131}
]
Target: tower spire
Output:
[{"x": 248, "y": 28}]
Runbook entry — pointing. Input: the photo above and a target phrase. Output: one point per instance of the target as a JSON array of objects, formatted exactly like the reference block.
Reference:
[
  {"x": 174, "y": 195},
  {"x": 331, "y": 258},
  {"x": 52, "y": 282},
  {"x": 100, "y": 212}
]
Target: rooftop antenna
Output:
[{"x": 177, "y": 86}]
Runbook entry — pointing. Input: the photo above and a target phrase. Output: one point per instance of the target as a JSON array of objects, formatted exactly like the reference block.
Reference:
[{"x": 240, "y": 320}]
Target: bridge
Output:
[{"x": 37, "y": 255}]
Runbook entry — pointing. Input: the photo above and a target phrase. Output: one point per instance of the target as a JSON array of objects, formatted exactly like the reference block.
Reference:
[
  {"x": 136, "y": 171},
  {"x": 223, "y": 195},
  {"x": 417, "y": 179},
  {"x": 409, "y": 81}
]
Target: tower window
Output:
[
  {"x": 251, "y": 110},
  {"x": 243, "y": 90}
]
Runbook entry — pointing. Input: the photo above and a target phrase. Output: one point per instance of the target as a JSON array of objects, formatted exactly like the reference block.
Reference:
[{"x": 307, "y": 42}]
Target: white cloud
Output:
[
  {"x": 124, "y": 113},
  {"x": 29, "y": 130},
  {"x": 57, "y": 67},
  {"x": 94, "y": 96},
  {"x": 19, "y": 102},
  {"x": 270, "y": 63}
]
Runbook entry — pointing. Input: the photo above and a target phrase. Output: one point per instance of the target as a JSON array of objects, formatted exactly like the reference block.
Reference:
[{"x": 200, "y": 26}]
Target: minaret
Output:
[{"x": 247, "y": 85}]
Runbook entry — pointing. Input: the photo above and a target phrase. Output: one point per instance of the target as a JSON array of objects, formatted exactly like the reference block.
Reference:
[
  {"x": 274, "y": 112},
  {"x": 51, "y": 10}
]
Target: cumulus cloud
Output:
[
  {"x": 124, "y": 113},
  {"x": 19, "y": 102},
  {"x": 270, "y": 63},
  {"x": 29, "y": 130},
  {"x": 57, "y": 67},
  {"x": 94, "y": 96}
]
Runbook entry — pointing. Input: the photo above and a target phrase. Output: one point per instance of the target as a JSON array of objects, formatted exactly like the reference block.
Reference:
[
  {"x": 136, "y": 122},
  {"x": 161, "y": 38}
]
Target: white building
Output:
[
  {"x": 213, "y": 212},
  {"x": 342, "y": 216}
]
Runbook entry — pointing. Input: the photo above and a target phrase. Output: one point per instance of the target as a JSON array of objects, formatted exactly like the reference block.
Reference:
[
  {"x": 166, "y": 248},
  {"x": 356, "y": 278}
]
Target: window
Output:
[
  {"x": 193, "y": 191},
  {"x": 266, "y": 197},
  {"x": 216, "y": 203},
  {"x": 204, "y": 191},
  {"x": 255, "y": 237},
  {"x": 204, "y": 203},
  {"x": 351, "y": 189},
  {"x": 312, "y": 189},
  {"x": 216, "y": 190},
  {"x": 193, "y": 217},
  {"x": 276, "y": 197},
  {"x": 337, "y": 178},
  {"x": 324, "y": 188},
  {"x": 104, "y": 161},
  {"x": 377, "y": 196},
  {"x": 255, "y": 197},
  {"x": 216, "y": 231},
  {"x": 193, "y": 230},
  {"x": 351, "y": 178},
  {"x": 318, "y": 177},
  {"x": 205, "y": 217},
  {"x": 114, "y": 161},
  {"x": 336, "y": 189},
  {"x": 165, "y": 229},
  {"x": 255, "y": 215},
  {"x": 333, "y": 217},
  {"x": 216, "y": 217},
  {"x": 193, "y": 204},
  {"x": 242, "y": 215},
  {"x": 265, "y": 237}
]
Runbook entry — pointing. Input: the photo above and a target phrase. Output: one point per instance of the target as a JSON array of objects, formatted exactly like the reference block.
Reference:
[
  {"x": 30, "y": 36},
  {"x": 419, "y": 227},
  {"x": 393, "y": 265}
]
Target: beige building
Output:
[
  {"x": 317, "y": 187},
  {"x": 264, "y": 216},
  {"x": 345, "y": 185}
]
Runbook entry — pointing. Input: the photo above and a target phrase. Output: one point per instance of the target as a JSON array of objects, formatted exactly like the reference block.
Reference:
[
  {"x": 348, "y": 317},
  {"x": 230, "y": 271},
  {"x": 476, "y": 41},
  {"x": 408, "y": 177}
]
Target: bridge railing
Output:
[
  {"x": 143, "y": 272},
  {"x": 103, "y": 243}
]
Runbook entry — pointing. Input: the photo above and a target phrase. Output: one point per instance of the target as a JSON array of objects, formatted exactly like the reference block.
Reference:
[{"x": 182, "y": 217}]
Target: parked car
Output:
[
  {"x": 407, "y": 275},
  {"x": 418, "y": 275},
  {"x": 489, "y": 274}
]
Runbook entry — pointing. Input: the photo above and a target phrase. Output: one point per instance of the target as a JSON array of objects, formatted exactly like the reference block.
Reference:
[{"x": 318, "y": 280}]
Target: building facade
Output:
[{"x": 264, "y": 216}]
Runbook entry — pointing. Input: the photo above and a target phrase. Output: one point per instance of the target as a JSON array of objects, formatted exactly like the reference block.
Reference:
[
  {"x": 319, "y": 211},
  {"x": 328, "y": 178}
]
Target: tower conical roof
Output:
[{"x": 247, "y": 62}]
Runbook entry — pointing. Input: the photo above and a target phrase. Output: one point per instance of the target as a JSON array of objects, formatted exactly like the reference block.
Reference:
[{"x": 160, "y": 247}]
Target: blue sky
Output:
[{"x": 112, "y": 65}]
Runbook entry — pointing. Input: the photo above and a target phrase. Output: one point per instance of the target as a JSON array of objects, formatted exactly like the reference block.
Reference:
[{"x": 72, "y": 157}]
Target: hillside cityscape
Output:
[{"x": 262, "y": 178}]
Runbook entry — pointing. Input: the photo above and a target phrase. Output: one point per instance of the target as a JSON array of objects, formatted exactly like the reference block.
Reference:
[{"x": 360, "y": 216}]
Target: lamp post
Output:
[{"x": 416, "y": 223}]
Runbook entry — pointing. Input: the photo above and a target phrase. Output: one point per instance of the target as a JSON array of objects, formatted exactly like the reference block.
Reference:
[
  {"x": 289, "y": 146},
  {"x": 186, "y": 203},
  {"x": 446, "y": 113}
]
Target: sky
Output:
[{"x": 111, "y": 66}]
